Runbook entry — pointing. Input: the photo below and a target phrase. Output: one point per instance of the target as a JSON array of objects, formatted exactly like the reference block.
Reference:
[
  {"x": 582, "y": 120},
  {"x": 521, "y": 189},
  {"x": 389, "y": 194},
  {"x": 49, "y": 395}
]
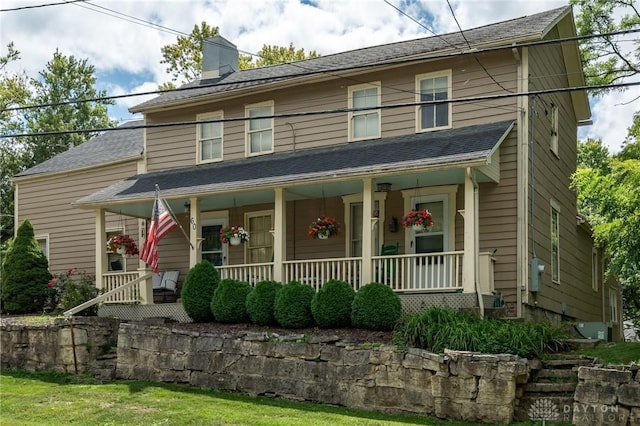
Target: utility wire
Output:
[
  {"x": 315, "y": 71},
  {"x": 333, "y": 111},
  {"x": 42, "y": 5}
]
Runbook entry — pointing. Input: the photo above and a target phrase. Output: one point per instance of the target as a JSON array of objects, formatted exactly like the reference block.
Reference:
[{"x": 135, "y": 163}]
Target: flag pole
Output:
[{"x": 173, "y": 215}]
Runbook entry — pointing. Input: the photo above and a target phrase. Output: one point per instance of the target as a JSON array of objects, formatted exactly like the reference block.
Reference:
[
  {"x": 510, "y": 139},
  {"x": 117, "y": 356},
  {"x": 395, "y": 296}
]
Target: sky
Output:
[{"x": 116, "y": 37}]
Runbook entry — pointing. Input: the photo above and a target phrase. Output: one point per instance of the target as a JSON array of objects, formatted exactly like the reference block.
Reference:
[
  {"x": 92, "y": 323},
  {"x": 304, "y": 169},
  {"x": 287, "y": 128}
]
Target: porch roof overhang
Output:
[{"x": 442, "y": 156}]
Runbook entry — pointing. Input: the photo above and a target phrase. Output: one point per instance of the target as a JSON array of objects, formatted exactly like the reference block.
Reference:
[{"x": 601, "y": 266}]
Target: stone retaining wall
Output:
[
  {"x": 50, "y": 347},
  {"x": 608, "y": 396},
  {"x": 456, "y": 385}
]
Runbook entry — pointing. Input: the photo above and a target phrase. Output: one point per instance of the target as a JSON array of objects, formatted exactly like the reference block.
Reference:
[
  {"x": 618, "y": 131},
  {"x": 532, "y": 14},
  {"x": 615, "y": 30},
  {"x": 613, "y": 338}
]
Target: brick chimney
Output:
[{"x": 219, "y": 57}]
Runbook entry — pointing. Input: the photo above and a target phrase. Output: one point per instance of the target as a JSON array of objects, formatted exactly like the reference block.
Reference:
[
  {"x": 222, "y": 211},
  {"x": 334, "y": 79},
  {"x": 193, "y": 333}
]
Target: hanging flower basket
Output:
[
  {"x": 419, "y": 220},
  {"x": 234, "y": 235},
  {"x": 324, "y": 227},
  {"x": 122, "y": 244}
]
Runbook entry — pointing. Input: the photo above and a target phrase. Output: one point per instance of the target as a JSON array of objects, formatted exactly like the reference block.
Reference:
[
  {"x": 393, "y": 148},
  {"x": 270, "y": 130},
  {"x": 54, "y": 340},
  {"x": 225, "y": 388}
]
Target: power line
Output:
[
  {"x": 334, "y": 70},
  {"x": 333, "y": 111},
  {"x": 42, "y": 5}
]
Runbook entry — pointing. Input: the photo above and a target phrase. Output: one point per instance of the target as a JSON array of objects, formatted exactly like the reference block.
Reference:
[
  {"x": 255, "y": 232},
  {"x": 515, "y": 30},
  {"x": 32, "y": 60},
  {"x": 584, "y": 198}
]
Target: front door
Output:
[
  {"x": 431, "y": 272},
  {"x": 213, "y": 250}
]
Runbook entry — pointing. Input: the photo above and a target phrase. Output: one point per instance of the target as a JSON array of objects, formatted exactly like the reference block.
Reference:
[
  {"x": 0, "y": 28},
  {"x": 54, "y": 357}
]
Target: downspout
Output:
[{"x": 476, "y": 237}]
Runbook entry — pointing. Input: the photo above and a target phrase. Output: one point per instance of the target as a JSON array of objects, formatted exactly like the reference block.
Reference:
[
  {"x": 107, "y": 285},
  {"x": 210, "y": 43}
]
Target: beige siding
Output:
[
  {"x": 46, "y": 203},
  {"x": 169, "y": 147},
  {"x": 551, "y": 179}
]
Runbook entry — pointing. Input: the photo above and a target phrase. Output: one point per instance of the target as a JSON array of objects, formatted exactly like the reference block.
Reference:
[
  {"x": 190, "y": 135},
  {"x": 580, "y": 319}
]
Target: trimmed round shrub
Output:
[
  {"x": 25, "y": 274},
  {"x": 376, "y": 307},
  {"x": 331, "y": 305},
  {"x": 228, "y": 304},
  {"x": 260, "y": 302},
  {"x": 292, "y": 308},
  {"x": 197, "y": 291}
]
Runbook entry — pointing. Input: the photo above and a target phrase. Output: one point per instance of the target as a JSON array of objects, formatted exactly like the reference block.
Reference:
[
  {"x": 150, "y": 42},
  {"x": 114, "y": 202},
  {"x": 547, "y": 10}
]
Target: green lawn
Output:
[
  {"x": 615, "y": 353},
  {"x": 55, "y": 399}
]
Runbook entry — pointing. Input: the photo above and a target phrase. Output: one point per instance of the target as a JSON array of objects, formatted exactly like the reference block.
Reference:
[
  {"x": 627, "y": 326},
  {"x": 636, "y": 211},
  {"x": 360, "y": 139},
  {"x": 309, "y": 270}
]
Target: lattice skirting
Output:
[
  {"x": 173, "y": 311},
  {"x": 413, "y": 303}
]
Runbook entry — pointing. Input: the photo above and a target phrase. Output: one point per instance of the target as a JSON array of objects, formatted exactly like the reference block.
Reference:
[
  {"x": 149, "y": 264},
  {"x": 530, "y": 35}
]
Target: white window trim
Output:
[
  {"x": 247, "y": 140},
  {"x": 347, "y": 200},
  {"x": 209, "y": 115},
  {"x": 419, "y": 77},
  {"x": 554, "y": 206},
  {"x": 613, "y": 307},
  {"x": 213, "y": 218},
  {"x": 44, "y": 237},
  {"x": 594, "y": 269},
  {"x": 449, "y": 191},
  {"x": 373, "y": 85},
  {"x": 555, "y": 128}
]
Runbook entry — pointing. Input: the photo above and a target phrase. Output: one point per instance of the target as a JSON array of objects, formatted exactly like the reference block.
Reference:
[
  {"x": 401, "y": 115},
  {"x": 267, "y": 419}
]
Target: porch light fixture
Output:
[{"x": 383, "y": 187}]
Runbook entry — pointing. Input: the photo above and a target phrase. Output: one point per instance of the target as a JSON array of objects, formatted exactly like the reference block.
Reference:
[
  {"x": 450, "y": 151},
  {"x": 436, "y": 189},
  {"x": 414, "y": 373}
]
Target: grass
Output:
[
  {"x": 52, "y": 399},
  {"x": 614, "y": 353}
]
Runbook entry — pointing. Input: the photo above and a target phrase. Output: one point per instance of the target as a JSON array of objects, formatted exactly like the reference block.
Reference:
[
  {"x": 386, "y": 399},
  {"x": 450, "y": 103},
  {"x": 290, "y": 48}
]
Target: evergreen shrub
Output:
[
  {"x": 197, "y": 291},
  {"x": 25, "y": 274},
  {"x": 292, "y": 308},
  {"x": 261, "y": 301},
  {"x": 376, "y": 307},
  {"x": 228, "y": 304},
  {"x": 331, "y": 305}
]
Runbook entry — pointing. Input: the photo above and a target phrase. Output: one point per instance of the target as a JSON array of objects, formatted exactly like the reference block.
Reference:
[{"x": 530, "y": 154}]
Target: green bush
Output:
[
  {"x": 438, "y": 328},
  {"x": 261, "y": 301},
  {"x": 331, "y": 305},
  {"x": 25, "y": 274},
  {"x": 376, "y": 307},
  {"x": 70, "y": 289},
  {"x": 292, "y": 308},
  {"x": 197, "y": 291},
  {"x": 229, "y": 300}
]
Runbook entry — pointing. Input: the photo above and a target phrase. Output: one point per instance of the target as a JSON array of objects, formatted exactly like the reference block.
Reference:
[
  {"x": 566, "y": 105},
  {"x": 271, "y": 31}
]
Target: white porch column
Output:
[
  {"x": 469, "y": 265},
  {"x": 367, "y": 231},
  {"x": 279, "y": 234},
  {"x": 195, "y": 232},
  {"x": 101, "y": 247}
]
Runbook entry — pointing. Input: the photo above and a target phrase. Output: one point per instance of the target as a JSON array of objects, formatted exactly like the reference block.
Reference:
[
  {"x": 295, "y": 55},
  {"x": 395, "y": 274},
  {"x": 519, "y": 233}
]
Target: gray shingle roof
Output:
[
  {"x": 105, "y": 148},
  {"x": 526, "y": 28},
  {"x": 445, "y": 147}
]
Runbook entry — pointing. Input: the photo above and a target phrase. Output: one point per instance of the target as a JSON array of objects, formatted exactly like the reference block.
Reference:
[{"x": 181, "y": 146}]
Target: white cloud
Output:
[{"x": 126, "y": 51}]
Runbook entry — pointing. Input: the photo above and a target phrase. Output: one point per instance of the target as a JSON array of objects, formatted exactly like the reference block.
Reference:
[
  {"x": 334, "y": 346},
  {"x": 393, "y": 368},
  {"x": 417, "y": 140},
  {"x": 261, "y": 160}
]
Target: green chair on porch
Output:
[{"x": 385, "y": 276}]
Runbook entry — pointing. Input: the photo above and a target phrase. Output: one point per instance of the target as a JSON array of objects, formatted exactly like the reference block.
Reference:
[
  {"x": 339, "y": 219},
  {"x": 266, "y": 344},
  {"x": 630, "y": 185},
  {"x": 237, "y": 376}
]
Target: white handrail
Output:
[{"x": 106, "y": 295}]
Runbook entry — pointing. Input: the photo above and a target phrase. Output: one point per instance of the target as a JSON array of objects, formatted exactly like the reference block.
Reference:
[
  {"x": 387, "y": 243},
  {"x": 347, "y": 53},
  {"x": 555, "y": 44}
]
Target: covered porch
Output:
[{"x": 276, "y": 197}]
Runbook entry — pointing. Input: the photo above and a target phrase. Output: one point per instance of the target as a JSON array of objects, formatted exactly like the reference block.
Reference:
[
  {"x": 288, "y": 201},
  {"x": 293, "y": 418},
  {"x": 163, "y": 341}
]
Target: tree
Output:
[
  {"x": 184, "y": 57},
  {"x": 25, "y": 274},
  {"x": 604, "y": 58}
]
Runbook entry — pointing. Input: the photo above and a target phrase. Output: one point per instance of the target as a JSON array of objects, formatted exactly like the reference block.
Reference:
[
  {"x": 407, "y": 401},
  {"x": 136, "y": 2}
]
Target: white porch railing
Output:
[
  {"x": 420, "y": 272},
  {"x": 315, "y": 272},
  {"x": 129, "y": 294},
  {"x": 252, "y": 273}
]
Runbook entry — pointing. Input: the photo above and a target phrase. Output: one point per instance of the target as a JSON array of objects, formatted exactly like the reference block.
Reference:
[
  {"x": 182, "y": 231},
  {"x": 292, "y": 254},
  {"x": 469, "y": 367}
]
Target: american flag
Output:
[{"x": 161, "y": 224}]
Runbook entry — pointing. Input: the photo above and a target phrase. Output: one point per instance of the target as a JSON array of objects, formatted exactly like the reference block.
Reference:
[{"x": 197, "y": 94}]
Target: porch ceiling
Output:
[{"x": 432, "y": 158}]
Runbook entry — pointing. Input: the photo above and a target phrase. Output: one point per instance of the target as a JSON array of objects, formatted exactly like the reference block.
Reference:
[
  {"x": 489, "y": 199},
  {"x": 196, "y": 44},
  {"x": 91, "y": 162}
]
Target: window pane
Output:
[
  {"x": 434, "y": 115},
  {"x": 555, "y": 251},
  {"x": 365, "y": 98},
  {"x": 260, "y": 245},
  {"x": 356, "y": 229}
]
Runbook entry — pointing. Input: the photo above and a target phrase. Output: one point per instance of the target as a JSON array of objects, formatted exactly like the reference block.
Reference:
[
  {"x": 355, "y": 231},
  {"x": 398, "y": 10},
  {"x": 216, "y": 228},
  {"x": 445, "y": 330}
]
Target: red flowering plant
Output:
[
  {"x": 122, "y": 244},
  {"x": 233, "y": 232},
  {"x": 417, "y": 218},
  {"x": 324, "y": 227},
  {"x": 69, "y": 289}
]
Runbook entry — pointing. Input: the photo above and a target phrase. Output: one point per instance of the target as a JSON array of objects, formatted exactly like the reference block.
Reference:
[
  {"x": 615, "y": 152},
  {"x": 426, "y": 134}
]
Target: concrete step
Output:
[
  {"x": 556, "y": 374},
  {"x": 550, "y": 387}
]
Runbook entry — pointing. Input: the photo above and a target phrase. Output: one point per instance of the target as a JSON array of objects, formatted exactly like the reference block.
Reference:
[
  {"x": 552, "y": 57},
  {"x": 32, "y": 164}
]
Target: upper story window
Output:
[
  {"x": 209, "y": 137},
  {"x": 364, "y": 124},
  {"x": 43, "y": 243},
  {"x": 433, "y": 87},
  {"x": 259, "y": 131},
  {"x": 553, "y": 144}
]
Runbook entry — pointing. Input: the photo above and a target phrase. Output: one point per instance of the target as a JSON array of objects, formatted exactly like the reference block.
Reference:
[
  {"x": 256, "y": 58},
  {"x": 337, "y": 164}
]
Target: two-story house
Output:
[{"x": 477, "y": 127}]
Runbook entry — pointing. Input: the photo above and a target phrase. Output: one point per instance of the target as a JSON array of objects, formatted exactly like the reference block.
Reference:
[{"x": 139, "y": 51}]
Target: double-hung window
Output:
[
  {"x": 553, "y": 143},
  {"x": 364, "y": 122},
  {"x": 209, "y": 137},
  {"x": 555, "y": 242},
  {"x": 432, "y": 88},
  {"x": 259, "y": 128}
]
